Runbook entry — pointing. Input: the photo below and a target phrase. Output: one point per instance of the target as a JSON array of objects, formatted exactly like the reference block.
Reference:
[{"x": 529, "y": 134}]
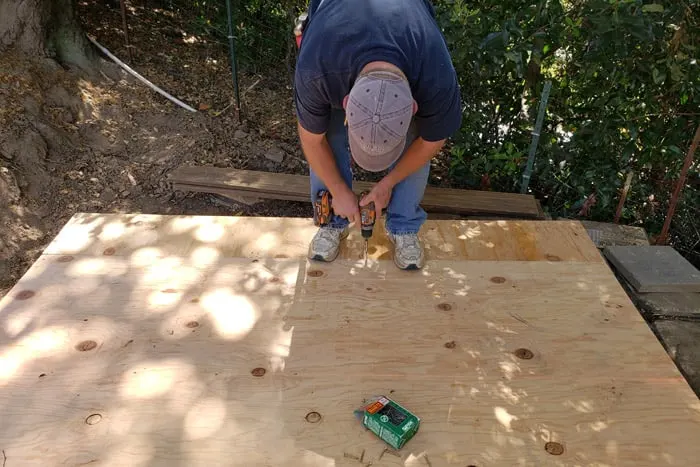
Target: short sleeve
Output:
[
  {"x": 439, "y": 113},
  {"x": 312, "y": 107}
]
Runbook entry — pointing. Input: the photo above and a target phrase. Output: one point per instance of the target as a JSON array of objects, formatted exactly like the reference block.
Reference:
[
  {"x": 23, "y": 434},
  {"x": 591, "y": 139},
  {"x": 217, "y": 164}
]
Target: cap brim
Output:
[{"x": 375, "y": 163}]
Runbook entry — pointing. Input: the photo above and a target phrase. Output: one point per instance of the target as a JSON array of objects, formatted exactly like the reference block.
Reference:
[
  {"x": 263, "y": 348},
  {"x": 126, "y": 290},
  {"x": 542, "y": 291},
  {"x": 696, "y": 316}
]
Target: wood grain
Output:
[
  {"x": 208, "y": 237},
  {"x": 174, "y": 377},
  {"x": 235, "y": 182}
]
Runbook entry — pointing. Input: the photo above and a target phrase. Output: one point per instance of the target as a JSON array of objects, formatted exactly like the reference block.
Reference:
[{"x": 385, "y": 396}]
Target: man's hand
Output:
[
  {"x": 345, "y": 205},
  {"x": 380, "y": 194}
]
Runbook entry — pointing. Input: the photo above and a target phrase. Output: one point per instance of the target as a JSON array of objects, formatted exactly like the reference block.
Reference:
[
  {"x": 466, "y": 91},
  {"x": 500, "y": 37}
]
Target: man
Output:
[{"x": 375, "y": 81}]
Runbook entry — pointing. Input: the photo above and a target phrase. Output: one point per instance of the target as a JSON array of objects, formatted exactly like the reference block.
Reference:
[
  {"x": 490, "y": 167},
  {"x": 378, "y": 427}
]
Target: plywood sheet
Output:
[
  {"x": 234, "y": 182},
  {"x": 131, "y": 359},
  {"x": 255, "y": 237}
]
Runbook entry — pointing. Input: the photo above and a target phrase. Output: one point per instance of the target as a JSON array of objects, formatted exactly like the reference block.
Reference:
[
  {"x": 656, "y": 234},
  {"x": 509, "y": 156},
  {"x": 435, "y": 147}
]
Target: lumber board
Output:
[
  {"x": 142, "y": 359},
  {"x": 204, "y": 237},
  {"x": 290, "y": 187}
]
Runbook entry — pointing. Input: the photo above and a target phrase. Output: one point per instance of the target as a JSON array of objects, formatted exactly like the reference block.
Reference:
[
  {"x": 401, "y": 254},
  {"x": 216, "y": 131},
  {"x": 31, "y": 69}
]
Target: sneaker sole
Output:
[{"x": 322, "y": 259}]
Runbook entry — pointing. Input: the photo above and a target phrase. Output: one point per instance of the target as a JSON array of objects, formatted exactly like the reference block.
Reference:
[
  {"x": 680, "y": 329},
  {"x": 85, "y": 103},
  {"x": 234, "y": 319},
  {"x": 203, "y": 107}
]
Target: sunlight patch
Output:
[
  {"x": 209, "y": 233},
  {"x": 504, "y": 417},
  {"x": 234, "y": 316},
  {"x": 205, "y": 418}
]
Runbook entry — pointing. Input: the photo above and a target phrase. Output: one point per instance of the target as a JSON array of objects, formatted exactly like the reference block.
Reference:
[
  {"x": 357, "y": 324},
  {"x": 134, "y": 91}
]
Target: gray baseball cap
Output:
[{"x": 378, "y": 111}]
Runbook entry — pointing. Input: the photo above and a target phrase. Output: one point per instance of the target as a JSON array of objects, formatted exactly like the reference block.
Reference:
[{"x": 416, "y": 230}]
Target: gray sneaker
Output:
[
  {"x": 408, "y": 252},
  {"x": 326, "y": 243}
]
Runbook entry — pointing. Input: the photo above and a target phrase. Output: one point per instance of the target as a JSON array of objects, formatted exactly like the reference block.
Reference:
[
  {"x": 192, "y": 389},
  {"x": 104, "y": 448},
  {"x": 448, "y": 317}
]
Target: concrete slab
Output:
[
  {"x": 674, "y": 305},
  {"x": 654, "y": 268},
  {"x": 682, "y": 341}
]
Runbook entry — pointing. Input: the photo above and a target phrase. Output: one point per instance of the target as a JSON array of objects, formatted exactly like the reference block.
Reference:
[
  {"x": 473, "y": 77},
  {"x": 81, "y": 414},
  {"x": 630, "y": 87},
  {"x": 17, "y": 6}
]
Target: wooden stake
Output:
[
  {"x": 623, "y": 197},
  {"x": 663, "y": 236},
  {"x": 125, "y": 27}
]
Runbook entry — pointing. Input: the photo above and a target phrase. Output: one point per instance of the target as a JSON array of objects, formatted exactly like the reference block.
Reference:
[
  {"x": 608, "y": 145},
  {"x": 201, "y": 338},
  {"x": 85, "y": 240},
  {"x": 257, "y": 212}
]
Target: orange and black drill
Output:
[{"x": 323, "y": 212}]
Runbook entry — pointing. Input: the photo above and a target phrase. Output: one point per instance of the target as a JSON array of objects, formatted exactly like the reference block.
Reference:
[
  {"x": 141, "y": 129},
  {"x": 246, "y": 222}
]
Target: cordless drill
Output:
[{"x": 323, "y": 212}]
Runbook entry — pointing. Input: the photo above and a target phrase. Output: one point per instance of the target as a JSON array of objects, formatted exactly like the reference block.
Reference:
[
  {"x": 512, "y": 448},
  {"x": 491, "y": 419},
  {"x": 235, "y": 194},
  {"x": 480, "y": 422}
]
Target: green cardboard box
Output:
[{"x": 390, "y": 421}]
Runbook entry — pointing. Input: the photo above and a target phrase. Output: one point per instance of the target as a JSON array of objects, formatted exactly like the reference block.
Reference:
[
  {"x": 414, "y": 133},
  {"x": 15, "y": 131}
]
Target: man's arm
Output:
[
  {"x": 320, "y": 157},
  {"x": 419, "y": 153}
]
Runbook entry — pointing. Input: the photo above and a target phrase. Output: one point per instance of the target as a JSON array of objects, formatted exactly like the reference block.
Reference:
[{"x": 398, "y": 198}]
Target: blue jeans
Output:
[{"x": 404, "y": 214}]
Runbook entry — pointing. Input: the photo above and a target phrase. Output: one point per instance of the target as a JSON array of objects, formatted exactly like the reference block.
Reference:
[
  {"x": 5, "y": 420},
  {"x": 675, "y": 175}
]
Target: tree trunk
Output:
[{"x": 45, "y": 28}]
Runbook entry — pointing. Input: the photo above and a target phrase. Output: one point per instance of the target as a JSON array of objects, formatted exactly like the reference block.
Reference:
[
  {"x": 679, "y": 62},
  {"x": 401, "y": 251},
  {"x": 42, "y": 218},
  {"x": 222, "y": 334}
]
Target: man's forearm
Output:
[
  {"x": 319, "y": 155},
  {"x": 419, "y": 153}
]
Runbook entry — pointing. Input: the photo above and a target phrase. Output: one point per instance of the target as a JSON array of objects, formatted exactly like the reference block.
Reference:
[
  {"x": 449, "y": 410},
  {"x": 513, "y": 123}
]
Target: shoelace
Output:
[
  {"x": 330, "y": 234},
  {"x": 408, "y": 243}
]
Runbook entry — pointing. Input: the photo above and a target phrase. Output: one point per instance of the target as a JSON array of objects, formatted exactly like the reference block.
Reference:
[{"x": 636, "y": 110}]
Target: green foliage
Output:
[
  {"x": 625, "y": 96},
  {"x": 262, "y": 28}
]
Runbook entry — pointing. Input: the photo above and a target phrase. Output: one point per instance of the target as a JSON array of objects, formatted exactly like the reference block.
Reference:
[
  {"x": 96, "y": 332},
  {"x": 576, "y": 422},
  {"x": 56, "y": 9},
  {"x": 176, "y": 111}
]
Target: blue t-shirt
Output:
[{"x": 342, "y": 36}]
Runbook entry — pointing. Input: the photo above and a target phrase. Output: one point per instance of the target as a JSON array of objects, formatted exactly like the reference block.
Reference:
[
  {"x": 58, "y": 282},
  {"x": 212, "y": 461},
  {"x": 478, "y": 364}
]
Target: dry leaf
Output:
[{"x": 203, "y": 107}]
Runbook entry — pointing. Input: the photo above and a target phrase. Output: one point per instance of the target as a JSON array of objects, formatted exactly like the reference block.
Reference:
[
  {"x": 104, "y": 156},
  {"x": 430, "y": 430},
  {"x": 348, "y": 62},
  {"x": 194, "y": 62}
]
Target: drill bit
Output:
[{"x": 368, "y": 216}]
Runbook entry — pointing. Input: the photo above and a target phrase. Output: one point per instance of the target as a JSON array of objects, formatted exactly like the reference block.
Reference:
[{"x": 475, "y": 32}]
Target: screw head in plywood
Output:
[
  {"x": 498, "y": 279},
  {"x": 93, "y": 419},
  {"x": 553, "y": 448},
  {"x": 109, "y": 251},
  {"x": 524, "y": 354},
  {"x": 258, "y": 372},
  {"x": 444, "y": 307},
  {"x": 313, "y": 417},
  {"x": 315, "y": 273},
  {"x": 25, "y": 295},
  {"x": 85, "y": 346}
]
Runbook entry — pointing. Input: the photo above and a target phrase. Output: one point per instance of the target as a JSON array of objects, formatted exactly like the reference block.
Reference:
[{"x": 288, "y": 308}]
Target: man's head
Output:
[{"x": 378, "y": 110}]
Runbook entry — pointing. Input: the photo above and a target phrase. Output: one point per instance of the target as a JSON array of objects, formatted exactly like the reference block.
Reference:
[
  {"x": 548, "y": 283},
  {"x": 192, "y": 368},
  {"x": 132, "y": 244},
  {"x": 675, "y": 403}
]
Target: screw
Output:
[
  {"x": 93, "y": 419},
  {"x": 258, "y": 372},
  {"x": 192, "y": 324},
  {"x": 524, "y": 354},
  {"x": 84, "y": 346},
  {"x": 315, "y": 273},
  {"x": 25, "y": 294},
  {"x": 498, "y": 280},
  {"x": 444, "y": 307},
  {"x": 313, "y": 417},
  {"x": 109, "y": 251},
  {"x": 450, "y": 345},
  {"x": 555, "y": 449}
]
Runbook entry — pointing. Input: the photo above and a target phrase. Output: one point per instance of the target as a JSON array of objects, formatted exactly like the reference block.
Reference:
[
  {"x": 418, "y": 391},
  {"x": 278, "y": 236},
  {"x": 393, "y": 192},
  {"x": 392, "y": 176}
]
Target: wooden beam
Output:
[{"x": 231, "y": 182}]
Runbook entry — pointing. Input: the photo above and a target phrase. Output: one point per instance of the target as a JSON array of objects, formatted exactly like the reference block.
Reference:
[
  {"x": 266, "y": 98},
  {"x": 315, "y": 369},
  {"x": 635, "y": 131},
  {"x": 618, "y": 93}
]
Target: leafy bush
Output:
[
  {"x": 625, "y": 98},
  {"x": 262, "y": 28}
]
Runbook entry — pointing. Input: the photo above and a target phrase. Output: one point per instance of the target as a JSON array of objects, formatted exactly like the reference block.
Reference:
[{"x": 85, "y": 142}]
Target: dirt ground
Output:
[{"x": 106, "y": 143}]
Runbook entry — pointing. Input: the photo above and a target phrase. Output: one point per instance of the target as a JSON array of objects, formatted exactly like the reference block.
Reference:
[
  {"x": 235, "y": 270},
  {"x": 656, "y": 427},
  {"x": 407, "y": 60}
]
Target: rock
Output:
[
  {"x": 240, "y": 134},
  {"x": 43, "y": 211},
  {"x": 32, "y": 106},
  {"x": 681, "y": 339},
  {"x": 275, "y": 154},
  {"x": 108, "y": 195}
]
